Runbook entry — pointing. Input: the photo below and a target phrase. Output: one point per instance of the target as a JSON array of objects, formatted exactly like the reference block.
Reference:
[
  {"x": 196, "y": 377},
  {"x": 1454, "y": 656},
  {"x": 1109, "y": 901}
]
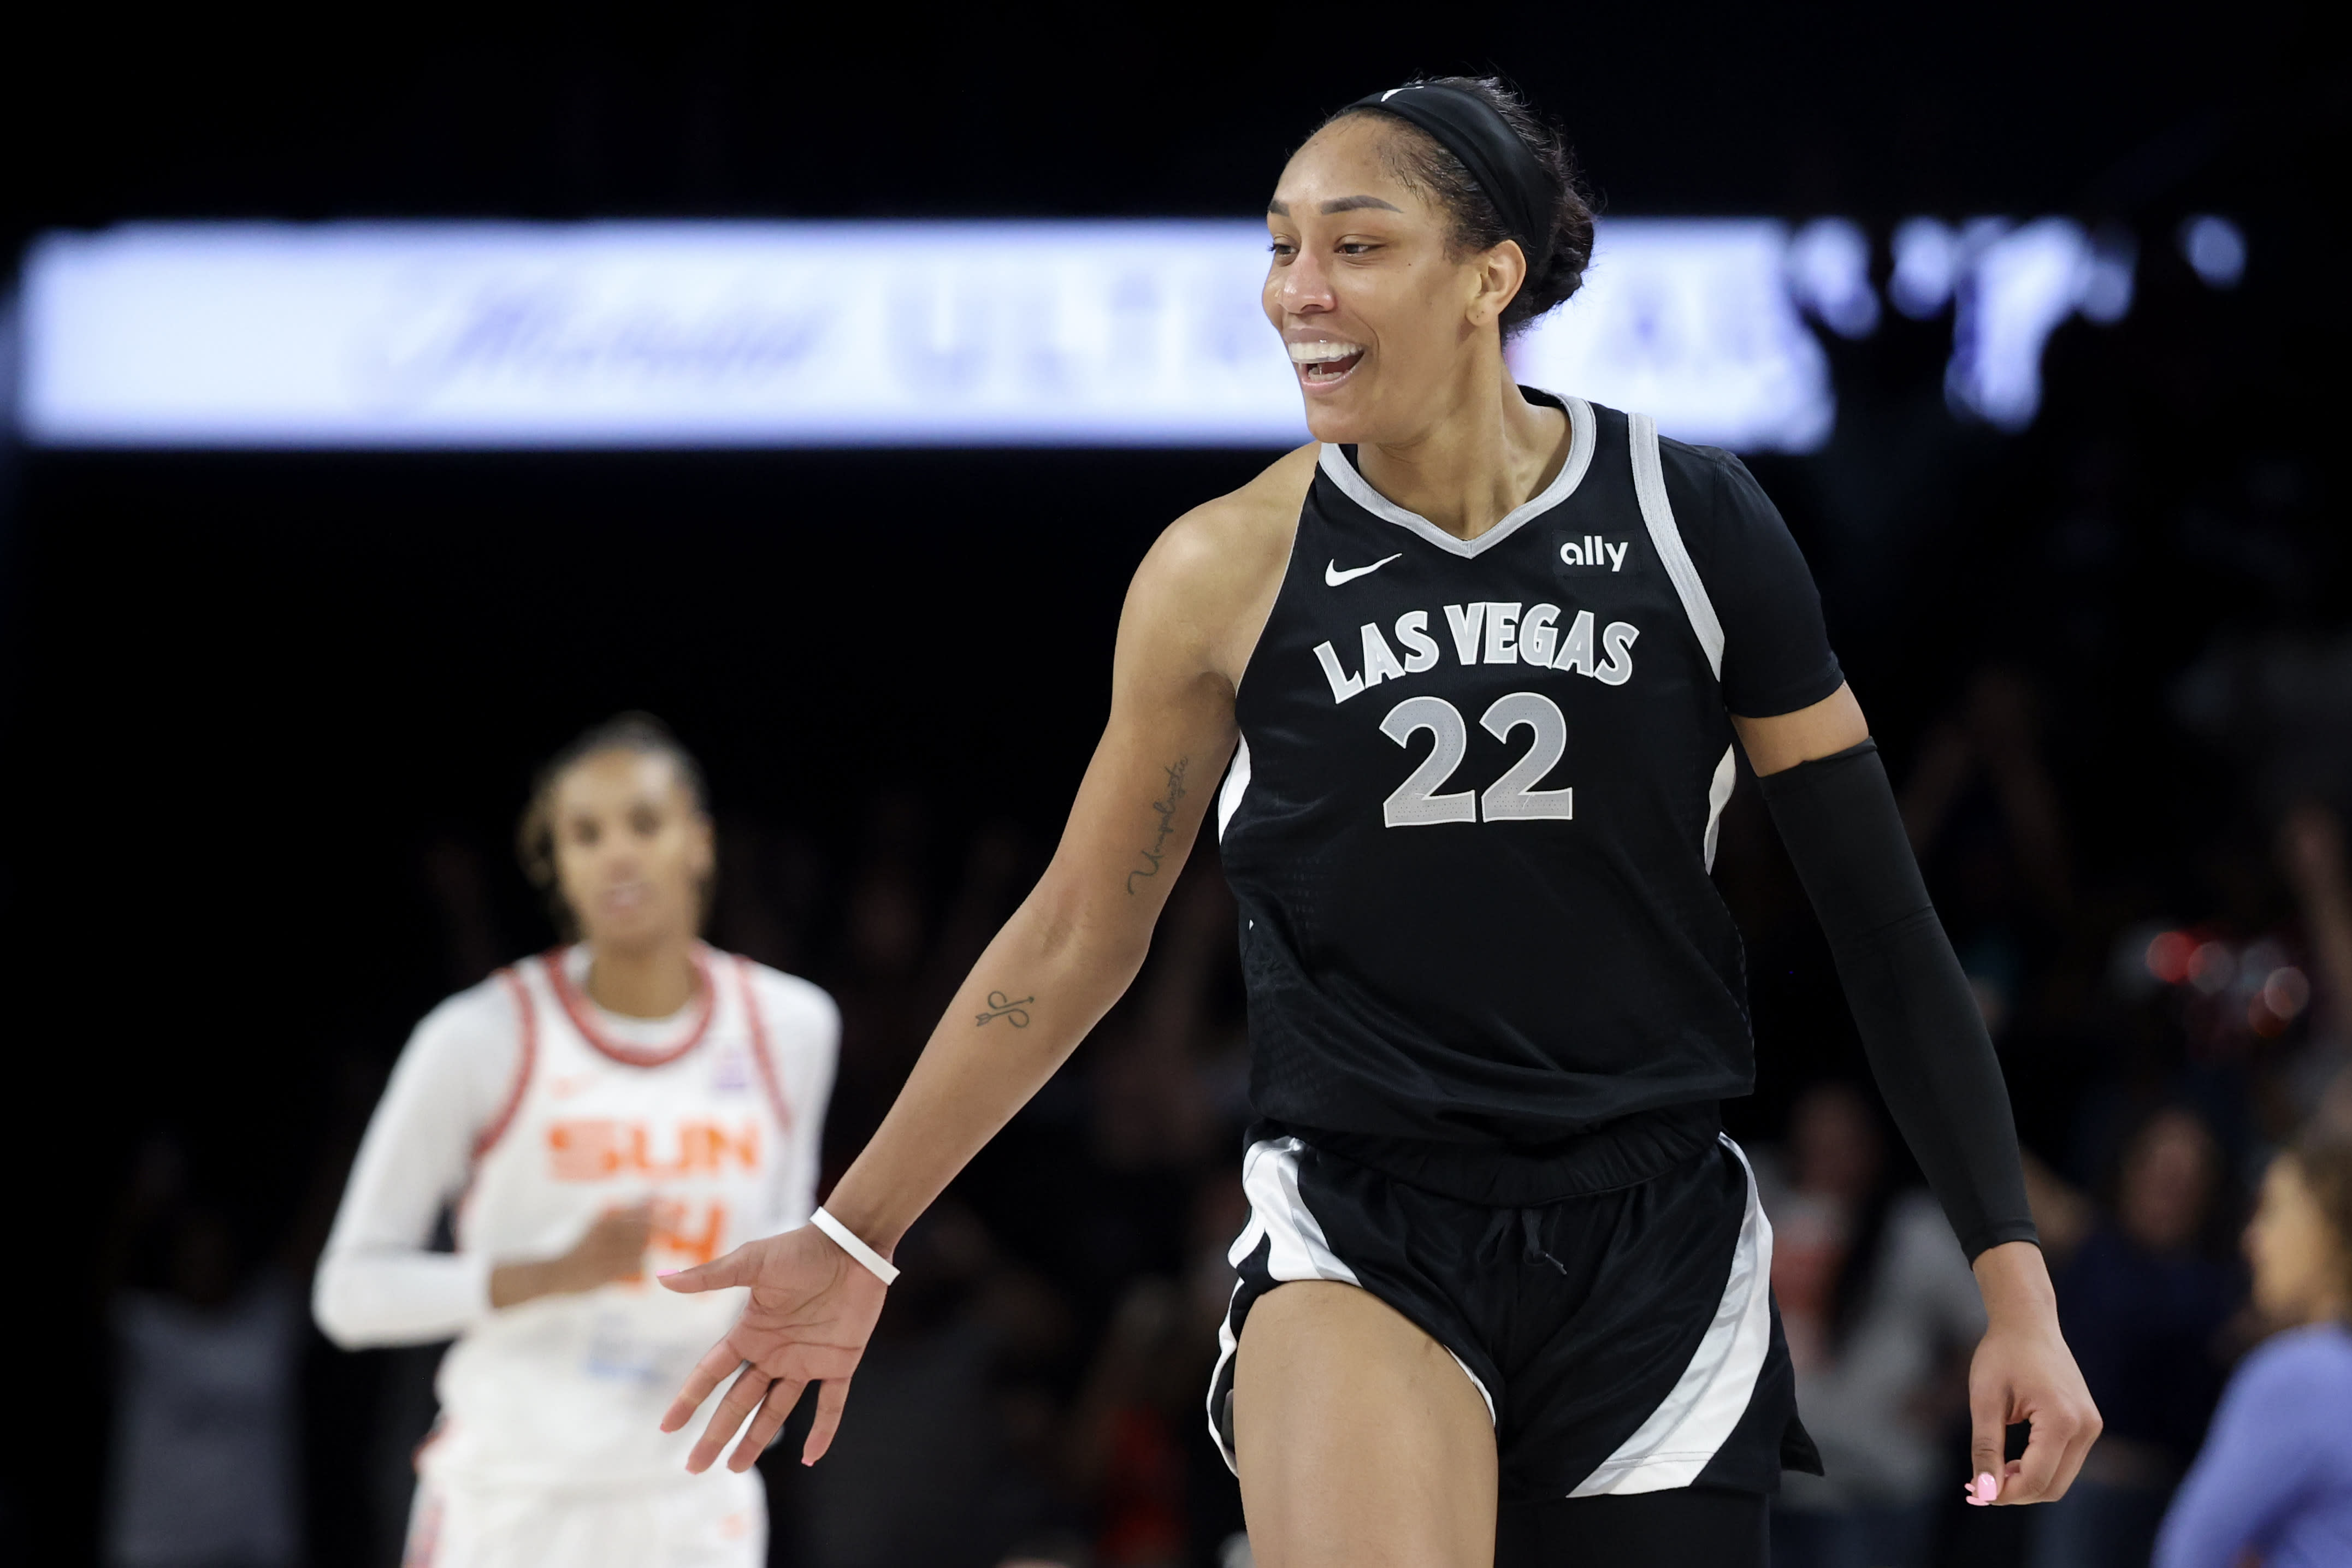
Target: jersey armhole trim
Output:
[
  {"x": 526, "y": 1059},
  {"x": 1237, "y": 785},
  {"x": 761, "y": 1058},
  {"x": 1718, "y": 796},
  {"x": 1658, "y": 517}
]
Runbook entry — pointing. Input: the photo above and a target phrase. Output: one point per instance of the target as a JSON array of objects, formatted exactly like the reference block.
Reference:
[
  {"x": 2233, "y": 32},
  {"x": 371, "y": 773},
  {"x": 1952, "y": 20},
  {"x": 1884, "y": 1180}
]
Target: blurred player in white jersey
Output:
[{"x": 630, "y": 1104}]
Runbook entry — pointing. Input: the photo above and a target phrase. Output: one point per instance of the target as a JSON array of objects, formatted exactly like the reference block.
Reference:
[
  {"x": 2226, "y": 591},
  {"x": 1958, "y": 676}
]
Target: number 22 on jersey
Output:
[{"x": 1417, "y": 802}]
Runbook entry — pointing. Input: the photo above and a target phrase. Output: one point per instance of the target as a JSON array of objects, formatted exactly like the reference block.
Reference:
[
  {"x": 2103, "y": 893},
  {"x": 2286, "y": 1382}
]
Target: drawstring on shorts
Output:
[{"x": 1531, "y": 1241}]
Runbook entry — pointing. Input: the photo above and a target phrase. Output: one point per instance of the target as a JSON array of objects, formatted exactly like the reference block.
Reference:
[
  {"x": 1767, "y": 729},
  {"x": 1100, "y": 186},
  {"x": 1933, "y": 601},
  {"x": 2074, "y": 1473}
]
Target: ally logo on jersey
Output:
[
  {"x": 1594, "y": 554},
  {"x": 1486, "y": 632}
]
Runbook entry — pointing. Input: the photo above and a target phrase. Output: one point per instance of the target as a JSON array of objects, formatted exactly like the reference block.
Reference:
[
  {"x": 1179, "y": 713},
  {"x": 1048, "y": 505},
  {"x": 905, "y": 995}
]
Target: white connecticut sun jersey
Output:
[{"x": 532, "y": 1111}]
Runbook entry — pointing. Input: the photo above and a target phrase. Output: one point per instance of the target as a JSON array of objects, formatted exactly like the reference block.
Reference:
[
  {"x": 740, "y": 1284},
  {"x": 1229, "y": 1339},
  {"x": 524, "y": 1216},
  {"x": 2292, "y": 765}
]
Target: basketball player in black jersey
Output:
[{"x": 1472, "y": 668}]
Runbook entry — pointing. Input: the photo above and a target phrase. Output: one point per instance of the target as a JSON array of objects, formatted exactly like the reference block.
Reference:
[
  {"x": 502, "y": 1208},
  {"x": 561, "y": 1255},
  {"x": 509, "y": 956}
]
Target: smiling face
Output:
[
  {"x": 631, "y": 849},
  {"x": 1387, "y": 329}
]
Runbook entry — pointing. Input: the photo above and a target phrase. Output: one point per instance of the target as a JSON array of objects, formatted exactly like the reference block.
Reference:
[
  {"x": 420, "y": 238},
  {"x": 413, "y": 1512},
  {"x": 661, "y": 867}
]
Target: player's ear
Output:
[{"x": 1499, "y": 273}]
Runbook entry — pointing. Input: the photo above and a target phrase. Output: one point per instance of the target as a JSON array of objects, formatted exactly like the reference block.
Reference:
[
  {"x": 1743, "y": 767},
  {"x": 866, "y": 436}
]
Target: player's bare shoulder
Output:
[{"x": 1211, "y": 577}]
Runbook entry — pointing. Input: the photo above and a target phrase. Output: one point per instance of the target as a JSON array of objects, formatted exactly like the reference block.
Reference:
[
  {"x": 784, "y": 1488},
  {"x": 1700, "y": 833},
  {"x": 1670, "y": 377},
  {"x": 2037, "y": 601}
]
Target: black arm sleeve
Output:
[{"x": 1927, "y": 1042}]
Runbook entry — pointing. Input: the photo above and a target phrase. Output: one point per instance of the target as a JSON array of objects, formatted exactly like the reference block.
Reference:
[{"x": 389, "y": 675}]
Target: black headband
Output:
[{"x": 1505, "y": 167}]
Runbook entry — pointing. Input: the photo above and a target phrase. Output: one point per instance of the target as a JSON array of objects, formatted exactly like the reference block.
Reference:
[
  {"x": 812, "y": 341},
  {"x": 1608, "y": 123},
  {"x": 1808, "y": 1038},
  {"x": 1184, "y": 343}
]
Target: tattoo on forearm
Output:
[
  {"x": 1014, "y": 1011},
  {"x": 1166, "y": 807}
]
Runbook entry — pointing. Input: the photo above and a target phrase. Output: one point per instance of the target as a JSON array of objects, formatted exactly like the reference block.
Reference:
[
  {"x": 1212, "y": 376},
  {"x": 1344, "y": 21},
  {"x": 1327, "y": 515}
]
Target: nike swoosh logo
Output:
[{"x": 1333, "y": 576}]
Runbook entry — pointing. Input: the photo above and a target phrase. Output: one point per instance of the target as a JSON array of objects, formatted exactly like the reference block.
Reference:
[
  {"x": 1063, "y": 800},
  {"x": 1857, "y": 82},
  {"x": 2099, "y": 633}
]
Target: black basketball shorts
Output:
[{"x": 1624, "y": 1341}]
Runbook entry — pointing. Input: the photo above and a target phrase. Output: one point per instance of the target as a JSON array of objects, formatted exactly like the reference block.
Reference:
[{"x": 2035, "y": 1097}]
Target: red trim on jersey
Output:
[
  {"x": 527, "y": 1030},
  {"x": 759, "y": 1045},
  {"x": 582, "y": 1015},
  {"x": 416, "y": 1455},
  {"x": 426, "y": 1542}
]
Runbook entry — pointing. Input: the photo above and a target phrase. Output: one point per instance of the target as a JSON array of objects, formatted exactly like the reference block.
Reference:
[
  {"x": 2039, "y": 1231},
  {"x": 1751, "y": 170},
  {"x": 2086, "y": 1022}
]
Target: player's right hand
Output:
[
  {"x": 810, "y": 1313},
  {"x": 614, "y": 1248}
]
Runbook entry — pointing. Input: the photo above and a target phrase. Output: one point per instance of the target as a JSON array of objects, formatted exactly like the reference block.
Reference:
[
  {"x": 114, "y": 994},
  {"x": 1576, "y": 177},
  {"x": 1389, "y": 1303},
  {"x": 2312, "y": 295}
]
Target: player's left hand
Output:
[{"x": 2023, "y": 1370}]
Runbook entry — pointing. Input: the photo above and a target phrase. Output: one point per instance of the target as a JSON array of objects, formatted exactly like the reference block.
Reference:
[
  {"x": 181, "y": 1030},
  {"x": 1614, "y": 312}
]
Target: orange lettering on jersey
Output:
[
  {"x": 597, "y": 1149},
  {"x": 670, "y": 1232},
  {"x": 640, "y": 1137},
  {"x": 584, "y": 1151},
  {"x": 719, "y": 1144}
]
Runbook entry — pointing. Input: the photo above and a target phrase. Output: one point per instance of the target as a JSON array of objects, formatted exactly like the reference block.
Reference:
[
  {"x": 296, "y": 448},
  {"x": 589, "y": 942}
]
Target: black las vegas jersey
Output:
[{"x": 1472, "y": 816}]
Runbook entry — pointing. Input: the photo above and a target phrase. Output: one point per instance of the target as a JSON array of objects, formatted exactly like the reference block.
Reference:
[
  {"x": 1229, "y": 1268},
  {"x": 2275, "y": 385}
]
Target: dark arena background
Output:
[{"x": 271, "y": 707}]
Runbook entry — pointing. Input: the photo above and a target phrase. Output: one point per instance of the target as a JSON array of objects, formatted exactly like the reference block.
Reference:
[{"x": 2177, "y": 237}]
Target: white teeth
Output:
[{"x": 1323, "y": 353}]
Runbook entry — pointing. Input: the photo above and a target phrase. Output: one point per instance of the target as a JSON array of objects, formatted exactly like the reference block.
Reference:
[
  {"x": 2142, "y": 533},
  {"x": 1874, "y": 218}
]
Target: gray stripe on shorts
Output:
[{"x": 1696, "y": 1419}]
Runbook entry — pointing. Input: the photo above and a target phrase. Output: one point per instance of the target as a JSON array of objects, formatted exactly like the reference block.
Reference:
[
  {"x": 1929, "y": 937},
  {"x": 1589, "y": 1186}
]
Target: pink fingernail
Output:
[
  {"x": 1987, "y": 1489},
  {"x": 666, "y": 1273}
]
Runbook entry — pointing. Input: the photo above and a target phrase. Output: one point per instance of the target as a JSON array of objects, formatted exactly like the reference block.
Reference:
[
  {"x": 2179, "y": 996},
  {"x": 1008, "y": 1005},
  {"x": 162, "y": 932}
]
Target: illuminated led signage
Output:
[{"x": 971, "y": 333}]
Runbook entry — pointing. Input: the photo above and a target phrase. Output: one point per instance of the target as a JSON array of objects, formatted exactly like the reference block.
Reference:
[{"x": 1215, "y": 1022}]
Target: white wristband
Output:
[{"x": 875, "y": 1264}]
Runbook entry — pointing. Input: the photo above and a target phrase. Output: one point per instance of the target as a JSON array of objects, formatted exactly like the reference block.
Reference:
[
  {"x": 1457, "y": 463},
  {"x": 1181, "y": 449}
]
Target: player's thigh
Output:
[
  {"x": 1361, "y": 1442},
  {"x": 1686, "y": 1527}
]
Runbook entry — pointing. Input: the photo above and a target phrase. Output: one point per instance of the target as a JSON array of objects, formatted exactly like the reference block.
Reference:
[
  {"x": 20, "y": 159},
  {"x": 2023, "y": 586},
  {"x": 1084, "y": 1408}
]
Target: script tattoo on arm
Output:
[{"x": 1166, "y": 807}]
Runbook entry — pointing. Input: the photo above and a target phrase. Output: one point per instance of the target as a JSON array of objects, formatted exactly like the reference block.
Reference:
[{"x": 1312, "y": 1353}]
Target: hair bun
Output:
[{"x": 1421, "y": 162}]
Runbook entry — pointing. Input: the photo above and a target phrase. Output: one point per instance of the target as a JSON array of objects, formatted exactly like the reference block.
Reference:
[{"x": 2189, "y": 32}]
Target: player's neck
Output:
[
  {"x": 650, "y": 982},
  {"x": 1487, "y": 452}
]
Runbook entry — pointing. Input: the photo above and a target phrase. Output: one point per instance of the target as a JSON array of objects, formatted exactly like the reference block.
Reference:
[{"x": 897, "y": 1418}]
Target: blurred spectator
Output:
[
  {"x": 2274, "y": 1481},
  {"x": 964, "y": 1324},
  {"x": 2278, "y": 705},
  {"x": 1990, "y": 744},
  {"x": 1125, "y": 1439},
  {"x": 1152, "y": 1107},
  {"x": 884, "y": 927},
  {"x": 1135, "y": 1443},
  {"x": 2241, "y": 1015},
  {"x": 2144, "y": 1304},
  {"x": 1985, "y": 819},
  {"x": 203, "y": 1471},
  {"x": 1878, "y": 1305},
  {"x": 766, "y": 895},
  {"x": 2334, "y": 1112},
  {"x": 2062, "y": 1213},
  {"x": 2311, "y": 853}
]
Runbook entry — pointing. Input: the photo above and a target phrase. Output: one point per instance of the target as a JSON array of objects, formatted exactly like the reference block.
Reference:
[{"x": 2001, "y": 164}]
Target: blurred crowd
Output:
[
  {"x": 2158, "y": 1065},
  {"x": 1033, "y": 1394}
]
